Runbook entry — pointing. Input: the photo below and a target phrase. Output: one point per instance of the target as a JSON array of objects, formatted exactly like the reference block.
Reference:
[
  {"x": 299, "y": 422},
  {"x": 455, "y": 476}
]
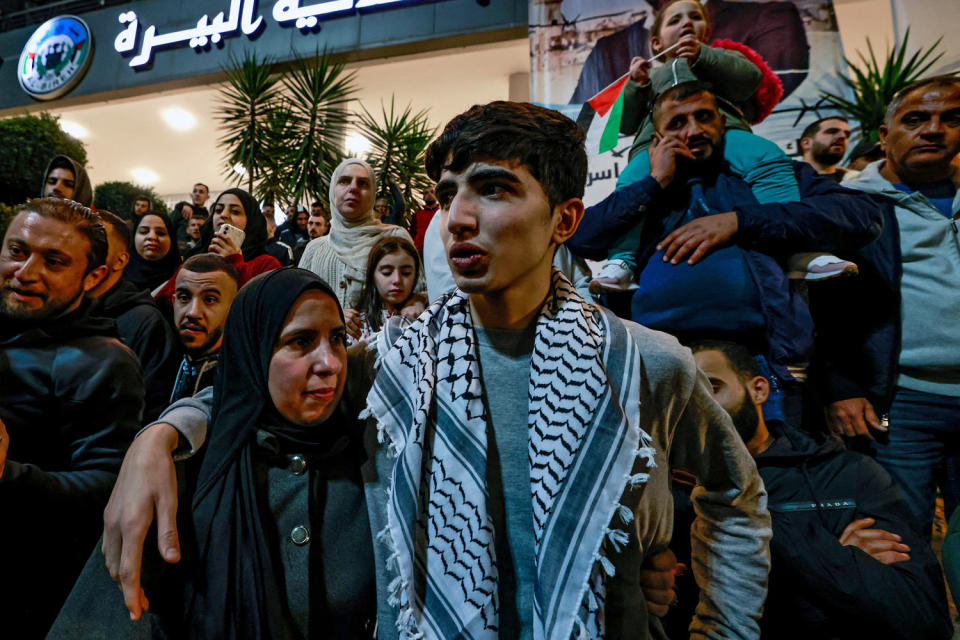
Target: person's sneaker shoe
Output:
[
  {"x": 819, "y": 266},
  {"x": 616, "y": 275}
]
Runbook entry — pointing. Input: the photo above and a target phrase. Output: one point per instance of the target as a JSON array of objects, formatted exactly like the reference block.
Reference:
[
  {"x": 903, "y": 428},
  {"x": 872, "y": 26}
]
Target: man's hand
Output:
[
  {"x": 852, "y": 417},
  {"x": 354, "y": 321},
  {"x": 663, "y": 152},
  {"x": 414, "y": 307},
  {"x": 146, "y": 485},
  {"x": 222, "y": 245},
  {"x": 698, "y": 236},
  {"x": 4, "y": 446},
  {"x": 881, "y": 545},
  {"x": 640, "y": 70},
  {"x": 689, "y": 47},
  {"x": 657, "y": 581}
]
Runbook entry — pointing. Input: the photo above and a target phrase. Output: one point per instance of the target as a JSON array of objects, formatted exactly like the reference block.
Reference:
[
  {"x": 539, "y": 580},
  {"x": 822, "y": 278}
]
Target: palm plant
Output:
[
  {"x": 248, "y": 104},
  {"x": 398, "y": 141},
  {"x": 317, "y": 92},
  {"x": 876, "y": 82}
]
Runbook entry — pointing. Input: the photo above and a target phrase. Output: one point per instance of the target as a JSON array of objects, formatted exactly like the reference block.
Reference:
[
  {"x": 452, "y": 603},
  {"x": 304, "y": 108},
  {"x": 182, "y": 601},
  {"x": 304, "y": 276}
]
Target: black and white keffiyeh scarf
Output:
[{"x": 588, "y": 455}]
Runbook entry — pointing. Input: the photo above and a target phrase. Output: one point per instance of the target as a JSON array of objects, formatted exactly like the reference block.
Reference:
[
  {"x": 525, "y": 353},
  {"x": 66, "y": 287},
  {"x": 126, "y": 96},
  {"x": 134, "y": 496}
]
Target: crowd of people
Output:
[{"x": 344, "y": 427}]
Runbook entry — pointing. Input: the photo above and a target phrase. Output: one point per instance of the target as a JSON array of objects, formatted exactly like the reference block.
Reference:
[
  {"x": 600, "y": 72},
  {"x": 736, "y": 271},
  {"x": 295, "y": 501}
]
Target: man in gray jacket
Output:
[
  {"x": 555, "y": 428},
  {"x": 889, "y": 340}
]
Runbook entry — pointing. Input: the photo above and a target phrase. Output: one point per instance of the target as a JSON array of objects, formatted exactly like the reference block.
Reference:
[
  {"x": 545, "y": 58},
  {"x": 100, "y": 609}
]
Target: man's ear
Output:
[
  {"x": 571, "y": 213},
  {"x": 122, "y": 261},
  {"x": 805, "y": 143},
  {"x": 95, "y": 277},
  {"x": 759, "y": 389},
  {"x": 883, "y": 131}
]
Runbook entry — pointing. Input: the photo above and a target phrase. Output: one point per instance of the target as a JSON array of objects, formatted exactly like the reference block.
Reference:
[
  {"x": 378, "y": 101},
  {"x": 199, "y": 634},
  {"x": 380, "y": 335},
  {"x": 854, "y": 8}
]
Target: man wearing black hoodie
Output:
[
  {"x": 140, "y": 322},
  {"x": 845, "y": 564},
  {"x": 66, "y": 178},
  {"x": 70, "y": 403}
]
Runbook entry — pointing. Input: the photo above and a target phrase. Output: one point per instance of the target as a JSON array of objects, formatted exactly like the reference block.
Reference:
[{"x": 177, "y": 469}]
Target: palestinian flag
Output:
[{"x": 610, "y": 100}]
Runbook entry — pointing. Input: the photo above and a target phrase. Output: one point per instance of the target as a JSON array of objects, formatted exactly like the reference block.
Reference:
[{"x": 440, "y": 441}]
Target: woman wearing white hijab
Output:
[{"x": 340, "y": 257}]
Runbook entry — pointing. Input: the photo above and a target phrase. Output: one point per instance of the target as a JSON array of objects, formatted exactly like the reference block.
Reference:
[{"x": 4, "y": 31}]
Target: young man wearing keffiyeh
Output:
[{"x": 530, "y": 435}]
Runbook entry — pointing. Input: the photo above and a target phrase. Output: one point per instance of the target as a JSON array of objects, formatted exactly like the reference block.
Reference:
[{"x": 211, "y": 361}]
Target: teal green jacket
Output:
[{"x": 734, "y": 80}]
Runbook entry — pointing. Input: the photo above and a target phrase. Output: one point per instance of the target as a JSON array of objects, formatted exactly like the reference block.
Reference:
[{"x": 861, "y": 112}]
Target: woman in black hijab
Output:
[
  {"x": 155, "y": 256},
  {"x": 279, "y": 542},
  {"x": 237, "y": 208}
]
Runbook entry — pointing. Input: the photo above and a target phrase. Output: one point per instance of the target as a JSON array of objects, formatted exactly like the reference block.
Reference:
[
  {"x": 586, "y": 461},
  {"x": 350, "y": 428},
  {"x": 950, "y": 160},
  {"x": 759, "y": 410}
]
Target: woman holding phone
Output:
[{"x": 237, "y": 231}]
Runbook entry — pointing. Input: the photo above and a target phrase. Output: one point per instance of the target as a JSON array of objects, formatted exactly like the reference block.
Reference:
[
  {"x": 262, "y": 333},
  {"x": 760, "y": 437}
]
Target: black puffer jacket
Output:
[
  {"x": 821, "y": 589},
  {"x": 71, "y": 398},
  {"x": 143, "y": 328}
]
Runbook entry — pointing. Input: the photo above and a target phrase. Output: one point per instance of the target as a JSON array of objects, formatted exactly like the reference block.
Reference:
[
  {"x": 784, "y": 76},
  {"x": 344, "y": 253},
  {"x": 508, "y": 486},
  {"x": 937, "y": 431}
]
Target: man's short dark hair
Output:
[
  {"x": 83, "y": 219},
  {"x": 62, "y": 162},
  {"x": 679, "y": 92},
  {"x": 814, "y": 127},
  {"x": 743, "y": 363},
  {"x": 200, "y": 184},
  {"x": 316, "y": 204},
  {"x": 898, "y": 98},
  {"x": 116, "y": 225},
  {"x": 143, "y": 198},
  {"x": 547, "y": 143},
  {"x": 208, "y": 263}
]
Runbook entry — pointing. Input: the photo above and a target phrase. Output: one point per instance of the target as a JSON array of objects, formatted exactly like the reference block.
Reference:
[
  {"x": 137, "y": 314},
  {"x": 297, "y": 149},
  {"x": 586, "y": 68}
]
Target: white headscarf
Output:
[
  {"x": 340, "y": 257},
  {"x": 352, "y": 240}
]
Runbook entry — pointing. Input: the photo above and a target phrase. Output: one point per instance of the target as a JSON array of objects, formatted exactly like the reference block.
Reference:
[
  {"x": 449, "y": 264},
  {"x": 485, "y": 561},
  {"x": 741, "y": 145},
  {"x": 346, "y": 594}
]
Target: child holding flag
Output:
[{"x": 746, "y": 91}]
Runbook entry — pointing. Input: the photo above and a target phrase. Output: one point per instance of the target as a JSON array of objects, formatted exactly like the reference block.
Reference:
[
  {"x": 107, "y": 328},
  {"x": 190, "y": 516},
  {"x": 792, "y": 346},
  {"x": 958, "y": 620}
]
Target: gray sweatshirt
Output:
[
  {"x": 929, "y": 288},
  {"x": 690, "y": 431}
]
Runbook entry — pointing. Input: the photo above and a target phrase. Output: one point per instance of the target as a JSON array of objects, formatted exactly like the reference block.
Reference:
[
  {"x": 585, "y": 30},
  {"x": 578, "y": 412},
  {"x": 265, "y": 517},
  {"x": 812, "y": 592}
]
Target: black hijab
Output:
[
  {"x": 255, "y": 240},
  {"x": 150, "y": 274},
  {"x": 236, "y": 589}
]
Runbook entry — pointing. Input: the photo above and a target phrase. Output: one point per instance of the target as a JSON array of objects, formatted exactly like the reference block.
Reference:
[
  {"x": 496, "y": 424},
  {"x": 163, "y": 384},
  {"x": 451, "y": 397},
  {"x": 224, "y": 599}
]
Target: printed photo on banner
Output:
[{"x": 580, "y": 49}]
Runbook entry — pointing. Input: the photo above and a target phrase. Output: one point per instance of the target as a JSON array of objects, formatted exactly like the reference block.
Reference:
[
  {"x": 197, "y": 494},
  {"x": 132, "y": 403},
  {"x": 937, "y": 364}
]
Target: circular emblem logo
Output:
[{"x": 55, "y": 57}]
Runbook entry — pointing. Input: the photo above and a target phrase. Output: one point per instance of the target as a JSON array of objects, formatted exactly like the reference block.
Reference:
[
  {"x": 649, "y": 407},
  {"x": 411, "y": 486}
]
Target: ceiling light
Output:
[
  {"x": 357, "y": 145},
  {"x": 239, "y": 168},
  {"x": 72, "y": 128},
  {"x": 179, "y": 119},
  {"x": 145, "y": 176}
]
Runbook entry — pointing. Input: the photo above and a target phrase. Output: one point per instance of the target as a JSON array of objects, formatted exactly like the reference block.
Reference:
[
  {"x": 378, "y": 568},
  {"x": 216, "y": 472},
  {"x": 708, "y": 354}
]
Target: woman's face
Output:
[
  {"x": 152, "y": 241},
  {"x": 394, "y": 277},
  {"x": 680, "y": 19},
  {"x": 353, "y": 192},
  {"x": 229, "y": 210},
  {"x": 309, "y": 363},
  {"x": 302, "y": 220}
]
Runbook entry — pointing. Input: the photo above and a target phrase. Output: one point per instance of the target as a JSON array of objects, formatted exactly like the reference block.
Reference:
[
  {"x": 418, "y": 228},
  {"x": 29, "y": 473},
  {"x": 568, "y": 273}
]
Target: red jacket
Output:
[{"x": 418, "y": 226}]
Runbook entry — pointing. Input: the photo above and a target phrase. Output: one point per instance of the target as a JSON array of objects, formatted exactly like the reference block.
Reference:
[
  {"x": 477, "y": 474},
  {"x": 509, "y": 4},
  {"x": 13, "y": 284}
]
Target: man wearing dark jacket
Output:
[
  {"x": 845, "y": 563},
  {"x": 66, "y": 178},
  {"x": 205, "y": 288},
  {"x": 70, "y": 402},
  {"x": 889, "y": 343},
  {"x": 710, "y": 257},
  {"x": 140, "y": 322}
]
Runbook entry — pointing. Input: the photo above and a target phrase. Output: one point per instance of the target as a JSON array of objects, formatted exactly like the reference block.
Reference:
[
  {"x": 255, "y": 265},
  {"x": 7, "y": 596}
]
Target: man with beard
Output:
[
  {"x": 66, "y": 178},
  {"x": 140, "y": 323},
  {"x": 824, "y": 143},
  {"x": 70, "y": 403},
  {"x": 844, "y": 561},
  {"x": 317, "y": 226},
  {"x": 709, "y": 258},
  {"x": 205, "y": 289}
]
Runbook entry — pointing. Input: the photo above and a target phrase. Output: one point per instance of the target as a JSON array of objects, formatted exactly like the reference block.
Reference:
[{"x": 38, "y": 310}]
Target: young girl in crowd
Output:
[
  {"x": 155, "y": 257},
  {"x": 393, "y": 272},
  {"x": 238, "y": 208},
  {"x": 746, "y": 91}
]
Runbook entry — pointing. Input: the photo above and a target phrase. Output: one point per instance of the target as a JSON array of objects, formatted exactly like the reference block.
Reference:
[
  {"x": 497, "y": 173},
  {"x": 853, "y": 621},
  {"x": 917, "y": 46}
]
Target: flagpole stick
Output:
[{"x": 620, "y": 79}]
